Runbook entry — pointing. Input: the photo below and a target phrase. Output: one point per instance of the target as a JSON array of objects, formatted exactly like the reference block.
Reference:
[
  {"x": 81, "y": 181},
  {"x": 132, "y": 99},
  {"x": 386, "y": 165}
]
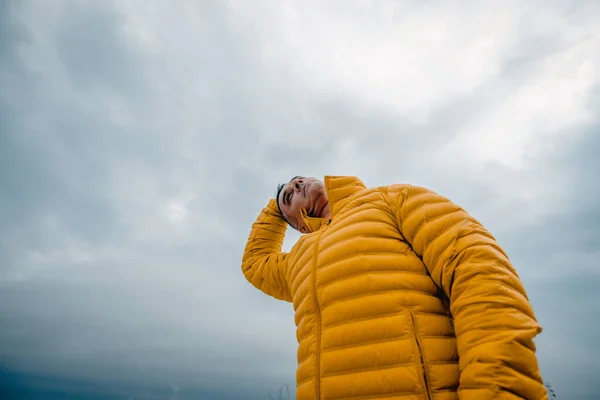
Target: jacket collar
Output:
[{"x": 339, "y": 189}]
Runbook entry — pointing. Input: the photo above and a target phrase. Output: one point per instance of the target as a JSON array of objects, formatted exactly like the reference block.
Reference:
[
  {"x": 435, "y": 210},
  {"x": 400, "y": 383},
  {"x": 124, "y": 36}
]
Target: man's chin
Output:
[{"x": 321, "y": 205}]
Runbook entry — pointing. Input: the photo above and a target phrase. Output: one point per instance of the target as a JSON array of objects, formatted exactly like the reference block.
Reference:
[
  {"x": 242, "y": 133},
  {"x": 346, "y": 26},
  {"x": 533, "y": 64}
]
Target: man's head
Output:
[{"x": 302, "y": 192}]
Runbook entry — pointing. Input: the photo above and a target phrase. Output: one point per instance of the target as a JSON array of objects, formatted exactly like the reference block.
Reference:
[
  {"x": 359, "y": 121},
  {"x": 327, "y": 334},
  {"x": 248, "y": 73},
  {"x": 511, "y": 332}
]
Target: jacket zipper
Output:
[
  {"x": 423, "y": 369},
  {"x": 318, "y": 317}
]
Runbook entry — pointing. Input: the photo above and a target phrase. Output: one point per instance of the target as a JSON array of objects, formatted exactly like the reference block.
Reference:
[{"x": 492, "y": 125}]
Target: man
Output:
[{"x": 398, "y": 294}]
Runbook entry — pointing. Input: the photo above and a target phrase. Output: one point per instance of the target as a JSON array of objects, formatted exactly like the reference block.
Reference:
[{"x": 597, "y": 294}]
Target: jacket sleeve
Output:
[
  {"x": 263, "y": 263},
  {"x": 493, "y": 320}
]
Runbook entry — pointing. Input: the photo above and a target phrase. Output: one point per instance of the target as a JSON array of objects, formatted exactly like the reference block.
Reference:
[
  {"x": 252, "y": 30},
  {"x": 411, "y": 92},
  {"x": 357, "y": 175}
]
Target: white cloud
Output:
[
  {"x": 410, "y": 59},
  {"x": 554, "y": 101},
  {"x": 407, "y": 58},
  {"x": 177, "y": 208}
]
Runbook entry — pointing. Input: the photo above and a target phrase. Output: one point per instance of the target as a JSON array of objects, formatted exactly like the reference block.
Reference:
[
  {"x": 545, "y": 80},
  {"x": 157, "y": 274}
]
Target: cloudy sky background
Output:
[{"x": 140, "y": 139}]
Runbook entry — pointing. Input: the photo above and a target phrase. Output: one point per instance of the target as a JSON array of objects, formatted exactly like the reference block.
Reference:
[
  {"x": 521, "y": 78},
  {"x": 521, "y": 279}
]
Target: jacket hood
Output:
[{"x": 338, "y": 189}]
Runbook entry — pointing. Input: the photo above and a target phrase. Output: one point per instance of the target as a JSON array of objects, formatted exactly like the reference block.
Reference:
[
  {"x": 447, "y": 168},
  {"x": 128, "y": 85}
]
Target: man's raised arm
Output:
[
  {"x": 493, "y": 319},
  {"x": 263, "y": 263}
]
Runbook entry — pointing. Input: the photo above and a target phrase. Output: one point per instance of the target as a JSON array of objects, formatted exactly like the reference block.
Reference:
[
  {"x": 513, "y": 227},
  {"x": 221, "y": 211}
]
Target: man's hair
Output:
[{"x": 279, "y": 189}]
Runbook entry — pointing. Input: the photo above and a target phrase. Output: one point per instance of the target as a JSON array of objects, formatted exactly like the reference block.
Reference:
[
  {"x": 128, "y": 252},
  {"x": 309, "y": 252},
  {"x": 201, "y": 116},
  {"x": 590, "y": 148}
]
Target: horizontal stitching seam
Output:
[
  {"x": 362, "y": 344},
  {"x": 413, "y": 199},
  {"x": 304, "y": 381},
  {"x": 403, "y": 393},
  {"x": 355, "y": 275},
  {"x": 305, "y": 358},
  {"x": 302, "y": 282},
  {"x": 268, "y": 227},
  {"x": 426, "y": 222},
  {"x": 448, "y": 228},
  {"x": 354, "y": 197},
  {"x": 438, "y": 337},
  {"x": 323, "y": 307},
  {"x": 371, "y": 253},
  {"x": 426, "y": 193},
  {"x": 375, "y": 368},
  {"x": 338, "y": 324},
  {"x": 303, "y": 297},
  {"x": 449, "y": 362}
]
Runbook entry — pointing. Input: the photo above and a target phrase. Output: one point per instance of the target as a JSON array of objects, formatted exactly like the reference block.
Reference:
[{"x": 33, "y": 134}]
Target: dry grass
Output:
[{"x": 282, "y": 394}]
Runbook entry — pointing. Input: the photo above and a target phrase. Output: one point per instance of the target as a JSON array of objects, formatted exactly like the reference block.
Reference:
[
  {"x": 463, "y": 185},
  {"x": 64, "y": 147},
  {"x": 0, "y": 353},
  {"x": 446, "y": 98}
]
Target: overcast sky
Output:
[{"x": 140, "y": 139}]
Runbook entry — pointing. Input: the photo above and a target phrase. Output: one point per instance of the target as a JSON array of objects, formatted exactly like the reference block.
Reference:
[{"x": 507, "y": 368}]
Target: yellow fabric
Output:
[{"x": 401, "y": 295}]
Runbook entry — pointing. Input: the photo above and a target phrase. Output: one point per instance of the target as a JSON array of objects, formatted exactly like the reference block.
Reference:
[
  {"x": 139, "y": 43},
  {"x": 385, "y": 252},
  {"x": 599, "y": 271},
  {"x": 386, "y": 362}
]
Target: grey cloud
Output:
[
  {"x": 106, "y": 320},
  {"x": 92, "y": 50},
  {"x": 557, "y": 260}
]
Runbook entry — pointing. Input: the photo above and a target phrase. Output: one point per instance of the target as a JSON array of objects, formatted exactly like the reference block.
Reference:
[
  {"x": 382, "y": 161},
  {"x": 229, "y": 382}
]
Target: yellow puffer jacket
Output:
[{"x": 401, "y": 295}]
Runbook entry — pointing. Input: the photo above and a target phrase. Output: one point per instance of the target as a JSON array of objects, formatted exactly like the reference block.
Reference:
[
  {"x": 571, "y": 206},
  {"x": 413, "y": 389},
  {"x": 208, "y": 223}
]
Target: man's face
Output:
[{"x": 302, "y": 192}]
